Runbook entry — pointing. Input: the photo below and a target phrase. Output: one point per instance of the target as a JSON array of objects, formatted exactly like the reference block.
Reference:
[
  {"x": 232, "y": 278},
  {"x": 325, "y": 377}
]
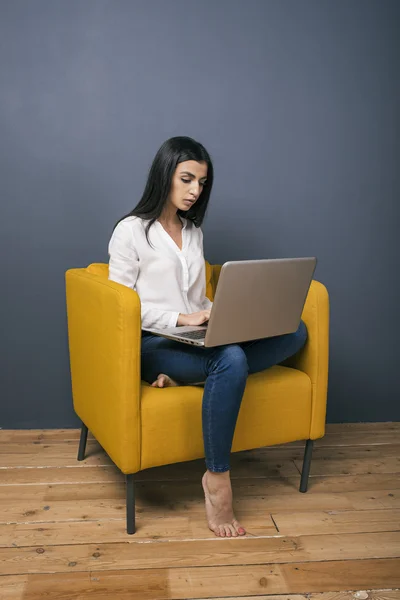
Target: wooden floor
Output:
[{"x": 62, "y": 523}]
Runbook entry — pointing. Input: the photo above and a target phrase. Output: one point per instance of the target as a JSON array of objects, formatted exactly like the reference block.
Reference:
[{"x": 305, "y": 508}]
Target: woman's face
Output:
[{"x": 187, "y": 184}]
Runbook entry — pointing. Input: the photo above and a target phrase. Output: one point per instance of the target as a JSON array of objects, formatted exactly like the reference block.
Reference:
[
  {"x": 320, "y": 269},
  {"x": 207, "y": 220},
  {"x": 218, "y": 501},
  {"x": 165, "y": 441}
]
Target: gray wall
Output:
[{"x": 297, "y": 102}]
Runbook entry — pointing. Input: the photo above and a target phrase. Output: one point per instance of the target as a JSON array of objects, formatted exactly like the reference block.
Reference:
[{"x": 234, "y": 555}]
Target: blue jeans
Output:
[{"x": 224, "y": 370}]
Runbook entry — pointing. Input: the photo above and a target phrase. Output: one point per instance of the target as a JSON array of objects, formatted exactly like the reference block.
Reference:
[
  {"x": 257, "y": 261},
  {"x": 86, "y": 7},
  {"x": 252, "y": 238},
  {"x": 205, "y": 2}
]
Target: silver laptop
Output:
[{"x": 254, "y": 299}]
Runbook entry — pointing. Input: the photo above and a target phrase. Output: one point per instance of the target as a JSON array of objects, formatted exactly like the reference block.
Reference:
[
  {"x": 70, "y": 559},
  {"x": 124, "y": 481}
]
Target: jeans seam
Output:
[{"x": 210, "y": 422}]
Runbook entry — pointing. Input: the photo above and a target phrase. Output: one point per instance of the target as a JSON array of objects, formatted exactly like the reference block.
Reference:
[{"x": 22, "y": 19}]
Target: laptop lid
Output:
[{"x": 259, "y": 298}]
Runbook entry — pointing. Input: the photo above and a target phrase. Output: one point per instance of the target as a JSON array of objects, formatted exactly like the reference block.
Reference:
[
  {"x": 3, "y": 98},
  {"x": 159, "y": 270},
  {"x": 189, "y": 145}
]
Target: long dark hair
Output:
[{"x": 172, "y": 152}]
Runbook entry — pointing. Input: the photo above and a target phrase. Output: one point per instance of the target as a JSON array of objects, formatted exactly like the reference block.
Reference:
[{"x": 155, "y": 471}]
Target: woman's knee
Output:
[
  {"x": 301, "y": 334},
  {"x": 232, "y": 357}
]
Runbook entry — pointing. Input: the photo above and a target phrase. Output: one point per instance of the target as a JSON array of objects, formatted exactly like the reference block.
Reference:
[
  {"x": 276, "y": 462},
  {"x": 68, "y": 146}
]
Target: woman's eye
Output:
[{"x": 202, "y": 183}]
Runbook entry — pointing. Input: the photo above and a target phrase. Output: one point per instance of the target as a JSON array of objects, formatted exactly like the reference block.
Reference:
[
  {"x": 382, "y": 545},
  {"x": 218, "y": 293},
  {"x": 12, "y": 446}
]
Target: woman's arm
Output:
[
  {"x": 124, "y": 262},
  {"x": 124, "y": 269}
]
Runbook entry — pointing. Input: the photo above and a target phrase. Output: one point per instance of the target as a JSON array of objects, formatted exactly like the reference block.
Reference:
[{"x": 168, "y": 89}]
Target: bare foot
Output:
[
  {"x": 218, "y": 494},
  {"x": 164, "y": 381}
]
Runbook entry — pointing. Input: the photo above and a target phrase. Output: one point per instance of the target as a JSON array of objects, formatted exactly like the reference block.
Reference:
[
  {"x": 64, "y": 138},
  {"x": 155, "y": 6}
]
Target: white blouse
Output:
[{"x": 168, "y": 280}]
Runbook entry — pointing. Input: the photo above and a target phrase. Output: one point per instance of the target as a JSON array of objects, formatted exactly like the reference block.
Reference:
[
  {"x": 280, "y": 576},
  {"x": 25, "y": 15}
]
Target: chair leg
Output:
[
  {"x": 82, "y": 442},
  {"x": 306, "y": 465},
  {"x": 130, "y": 504}
]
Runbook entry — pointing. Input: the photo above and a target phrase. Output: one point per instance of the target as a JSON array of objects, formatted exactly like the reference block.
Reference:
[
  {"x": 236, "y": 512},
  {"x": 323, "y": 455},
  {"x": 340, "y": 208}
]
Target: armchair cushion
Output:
[{"x": 275, "y": 409}]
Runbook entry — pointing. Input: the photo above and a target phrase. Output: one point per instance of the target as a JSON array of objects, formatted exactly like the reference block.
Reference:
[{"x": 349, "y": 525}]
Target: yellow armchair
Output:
[{"x": 140, "y": 426}]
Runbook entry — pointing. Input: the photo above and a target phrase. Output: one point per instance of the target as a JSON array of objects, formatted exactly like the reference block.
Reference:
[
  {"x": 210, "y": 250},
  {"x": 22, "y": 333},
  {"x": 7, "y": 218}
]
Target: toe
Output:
[
  {"x": 160, "y": 381},
  {"x": 228, "y": 532},
  {"x": 234, "y": 533},
  {"x": 240, "y": 530},
  {"x": 222, "y": 531}
]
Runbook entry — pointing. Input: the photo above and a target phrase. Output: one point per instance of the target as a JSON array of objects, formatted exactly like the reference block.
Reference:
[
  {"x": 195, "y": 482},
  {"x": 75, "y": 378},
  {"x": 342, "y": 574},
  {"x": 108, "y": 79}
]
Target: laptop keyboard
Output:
[{"x": 194, "y": 335}]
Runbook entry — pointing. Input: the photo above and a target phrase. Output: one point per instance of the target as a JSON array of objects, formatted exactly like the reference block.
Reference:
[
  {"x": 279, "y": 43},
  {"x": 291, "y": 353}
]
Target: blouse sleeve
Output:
[
  {"x": 124, "y": 262},
  {"x": 207, "y": 304},
  {"x": 124, "y": 269}
]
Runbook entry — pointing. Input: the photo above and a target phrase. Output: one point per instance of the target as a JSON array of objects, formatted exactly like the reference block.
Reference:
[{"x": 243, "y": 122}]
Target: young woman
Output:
[{"x": 157, "y": 249}]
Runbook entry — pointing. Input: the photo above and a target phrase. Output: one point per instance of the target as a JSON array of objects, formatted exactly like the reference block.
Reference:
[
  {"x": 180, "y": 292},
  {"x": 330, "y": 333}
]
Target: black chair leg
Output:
[
  {"x": 130, "y": 504},
  {"x": 306, "y": 465},
  {"x": 82, "y": 442}
]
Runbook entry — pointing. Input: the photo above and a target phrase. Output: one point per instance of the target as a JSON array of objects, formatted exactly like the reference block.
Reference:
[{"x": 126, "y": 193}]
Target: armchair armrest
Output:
[
  {"x": 313, "y": 358},
  {"x": 104, "y": 332}
]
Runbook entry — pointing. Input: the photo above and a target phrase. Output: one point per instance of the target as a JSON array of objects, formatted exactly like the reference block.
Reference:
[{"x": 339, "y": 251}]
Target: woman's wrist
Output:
[{"x": 181, "y": 319}]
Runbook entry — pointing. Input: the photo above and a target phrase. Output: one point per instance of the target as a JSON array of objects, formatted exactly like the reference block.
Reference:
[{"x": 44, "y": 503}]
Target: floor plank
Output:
[
  {"x": 366, "y": 452},
  {"x": 56, "y": 474},
  {"x": 211, "y": 582},
  {"x": 50, "y": 455},
  {"x": 102, "y": 531},
  {"x": 262, "y": 462},
  {"x": 181, "y": 527},
  {"x": 197, "y": 553},
  {"x": 350, "y": 466},
  {"x": 150, "y": 507},
  {"x": 54, "y": 436},
  {"x": 12, "y": 588},
  {"x": 370, "y": 427},
  {"x": 279, "y": 460},
  {"x": 352, "y": 595},
  {"x": 352, "y": 438},
  {"x": 108, "y": 482},
  {"x": 386, "y": 489},
  {"x": 334, "y": 521}
]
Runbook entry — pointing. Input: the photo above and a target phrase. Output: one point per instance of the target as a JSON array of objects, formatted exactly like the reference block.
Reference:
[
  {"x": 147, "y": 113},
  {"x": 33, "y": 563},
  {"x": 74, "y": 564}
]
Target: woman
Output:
[{"x": 157, "y": 249}]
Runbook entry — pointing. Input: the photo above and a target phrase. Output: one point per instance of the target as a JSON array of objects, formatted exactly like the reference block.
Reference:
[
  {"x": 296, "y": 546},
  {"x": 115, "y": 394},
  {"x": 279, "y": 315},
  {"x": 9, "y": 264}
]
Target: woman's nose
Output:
[{"x": 195, "y": 189}]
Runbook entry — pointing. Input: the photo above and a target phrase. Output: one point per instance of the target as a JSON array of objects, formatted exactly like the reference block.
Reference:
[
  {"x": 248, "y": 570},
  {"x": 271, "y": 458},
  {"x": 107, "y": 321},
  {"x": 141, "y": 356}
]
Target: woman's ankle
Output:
[{"x": 218, "y": 475}]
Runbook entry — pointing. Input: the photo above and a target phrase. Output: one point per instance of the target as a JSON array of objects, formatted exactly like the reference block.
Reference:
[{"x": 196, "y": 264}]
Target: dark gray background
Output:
[{"x": 296, "y": 101}]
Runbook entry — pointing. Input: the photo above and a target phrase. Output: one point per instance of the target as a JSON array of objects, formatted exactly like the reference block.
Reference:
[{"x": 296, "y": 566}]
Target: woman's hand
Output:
[{"x": 197, "y": 318}]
